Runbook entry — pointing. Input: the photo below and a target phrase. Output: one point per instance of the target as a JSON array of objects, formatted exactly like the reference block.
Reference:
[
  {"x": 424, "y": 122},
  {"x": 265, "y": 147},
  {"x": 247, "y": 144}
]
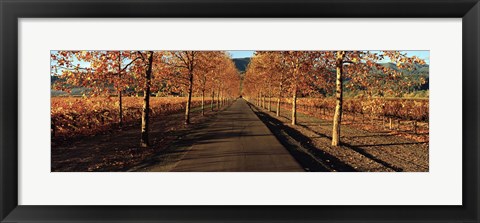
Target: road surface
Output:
[{"x": 236, "y": 141}]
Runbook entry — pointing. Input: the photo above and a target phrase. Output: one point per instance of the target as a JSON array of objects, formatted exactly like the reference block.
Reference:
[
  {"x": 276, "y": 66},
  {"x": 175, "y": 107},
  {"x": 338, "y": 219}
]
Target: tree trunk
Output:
[
  {"x": 203, "y": 102},
  {"x": 337, "y": 118},
  {"x": 146, "y": 103},
  {"x": 213, "y": 100},
  {"x": 269, "y": 103},
  {"x": 218, "y": 99},
  {"x": 258, "y": 100},
  {"x": 221, "y": 99},
  {"x": 280, "y": 89},
  {"x": 263, "y": 102},
  {"x": 53, "y": 129},
  {"x": 278, "y": 107},
  {"x": 415, "y": 126},
  {"x": 120, "y": 109},
  {"x": 189, "y": 101},
  {"x": 383, "y": 122},
  {"x": 294, "y": 108},
  {"x": 294, "y": 101},
  {"x": 270, "y": 98}
]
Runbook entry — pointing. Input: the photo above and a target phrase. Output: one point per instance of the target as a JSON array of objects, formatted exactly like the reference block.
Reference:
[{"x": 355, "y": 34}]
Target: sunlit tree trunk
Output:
[
  {"x": 146, "y": 102},
  {"x": 203, "y": 102},
  {"x": 294, "y": 107},
  {"x": 269, "y": 96},
  {"x": 279, "y": 95},
  {"x": 258, "y": 99},
  {"x": 189, "y": 101},
  {"x": 221, "y": 98},
  {"x": 263, "y": 101},
  {"x": 295, "y": 91},
  {"x": 337, "y": 118},
  {"x": 218, "y": 99},
  {"x": 213, "y": 100},
  {"x": 120, "y": 121},
  {"x": 120, "y": 108},
  {"x": 278, "y": 106},
  {"x": 269, "y": 103},
  {"x": 415, "y": 126}
]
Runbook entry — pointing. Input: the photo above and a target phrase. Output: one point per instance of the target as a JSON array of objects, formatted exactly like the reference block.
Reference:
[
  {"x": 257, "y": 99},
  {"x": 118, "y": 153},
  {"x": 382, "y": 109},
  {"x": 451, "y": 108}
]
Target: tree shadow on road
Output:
[{"x": 300, "y": 146}]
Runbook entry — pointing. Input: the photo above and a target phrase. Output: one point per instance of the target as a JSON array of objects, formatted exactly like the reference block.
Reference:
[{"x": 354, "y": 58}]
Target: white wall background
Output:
[{"x": 442, "y": 185}]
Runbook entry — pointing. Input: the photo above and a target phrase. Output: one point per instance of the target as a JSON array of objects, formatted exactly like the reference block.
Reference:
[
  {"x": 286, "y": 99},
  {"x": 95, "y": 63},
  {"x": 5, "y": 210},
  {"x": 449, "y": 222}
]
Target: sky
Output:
[
  {"x": 241, "y": 53},
  {"x": 422, "y": 54}
]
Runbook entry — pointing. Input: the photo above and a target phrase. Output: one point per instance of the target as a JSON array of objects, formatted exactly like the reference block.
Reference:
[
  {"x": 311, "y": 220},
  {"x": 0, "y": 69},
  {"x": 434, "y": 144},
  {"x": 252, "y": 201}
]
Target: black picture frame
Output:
[{"x": 11, "y": 11}]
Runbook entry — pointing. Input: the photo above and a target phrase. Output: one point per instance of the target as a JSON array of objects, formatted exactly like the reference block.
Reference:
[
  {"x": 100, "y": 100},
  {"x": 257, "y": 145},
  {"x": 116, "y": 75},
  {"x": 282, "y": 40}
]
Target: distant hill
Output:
[
  {"x": 419, "y": 69},
  {"x": 241, "y": 63},
  {"x": 53, "y": 79}
]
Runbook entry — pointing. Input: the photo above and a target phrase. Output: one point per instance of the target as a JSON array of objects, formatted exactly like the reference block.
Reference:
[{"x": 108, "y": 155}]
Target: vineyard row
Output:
[
  {"x": 358, "y": 111},
  {"x": 78, "y": 117},
  {"x": 403, "y": 109}
]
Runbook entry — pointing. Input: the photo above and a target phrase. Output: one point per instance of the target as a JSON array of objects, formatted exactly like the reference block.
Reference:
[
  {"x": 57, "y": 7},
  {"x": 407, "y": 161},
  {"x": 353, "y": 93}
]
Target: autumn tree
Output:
[
  {"x": 299, "y": 71},
  {"x": 337, "y": 118},
  {"x": 315, "y": 73},
  {"x": 100, "y": 71},
  {"x": 97, "y": 71},
  {"x": 264, "y": 66},
  {"x": 252, "y": 79},
  {"x": 124, "y": 80},
  {"x": 365, "y": 70},
  {"x": 279, "y": 68},
  {"x": 231, "y": 80},
  {"x": 211, "y": 66},
  {"x": 185, "y": 61},
  {"x": 144, "y": 141}
]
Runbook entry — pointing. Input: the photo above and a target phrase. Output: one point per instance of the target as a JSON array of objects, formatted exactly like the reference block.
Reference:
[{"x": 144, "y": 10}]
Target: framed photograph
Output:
[{"x": 223, "y": 111}]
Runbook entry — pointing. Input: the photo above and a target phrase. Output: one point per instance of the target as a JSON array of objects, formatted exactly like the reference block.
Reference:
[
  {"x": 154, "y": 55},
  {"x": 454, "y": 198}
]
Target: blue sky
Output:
[
  {"x": 241, "y": 53},
  {"x": 422, "y": 54}
]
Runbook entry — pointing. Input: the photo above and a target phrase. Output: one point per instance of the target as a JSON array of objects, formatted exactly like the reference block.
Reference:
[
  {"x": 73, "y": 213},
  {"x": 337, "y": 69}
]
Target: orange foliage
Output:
[{"x": 75, "y": 116}]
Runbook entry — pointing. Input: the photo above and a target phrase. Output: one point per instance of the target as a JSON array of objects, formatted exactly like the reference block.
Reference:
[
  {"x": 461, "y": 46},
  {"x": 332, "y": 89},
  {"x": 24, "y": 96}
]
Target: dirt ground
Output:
[
  {"x": 119, "y": 150},
  {"x": 361, "y": 150}
]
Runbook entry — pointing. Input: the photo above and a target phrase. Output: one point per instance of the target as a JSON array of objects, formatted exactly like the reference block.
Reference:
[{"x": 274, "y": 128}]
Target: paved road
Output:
[{"x": 237, "y": 141}]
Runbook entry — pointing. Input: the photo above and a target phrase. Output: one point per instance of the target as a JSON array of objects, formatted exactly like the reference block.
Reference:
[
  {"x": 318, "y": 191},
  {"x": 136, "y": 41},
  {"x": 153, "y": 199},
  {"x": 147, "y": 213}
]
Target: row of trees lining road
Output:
[
  {"x": 107, "y": 73},
  {"x": 279, "y": 74}
]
